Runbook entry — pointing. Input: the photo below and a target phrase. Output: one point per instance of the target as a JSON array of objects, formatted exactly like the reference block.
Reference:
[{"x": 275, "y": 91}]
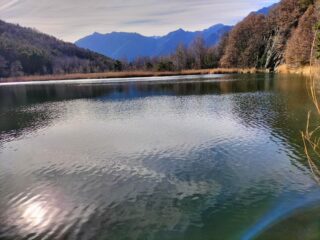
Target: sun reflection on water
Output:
[
  {"x": 35, "y": 214},
  {"x": 38, "y": 214}
]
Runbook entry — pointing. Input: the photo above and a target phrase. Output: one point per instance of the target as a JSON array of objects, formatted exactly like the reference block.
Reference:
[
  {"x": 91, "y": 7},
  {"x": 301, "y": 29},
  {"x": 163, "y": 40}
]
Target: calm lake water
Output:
[{"x": 199, "y": 158}]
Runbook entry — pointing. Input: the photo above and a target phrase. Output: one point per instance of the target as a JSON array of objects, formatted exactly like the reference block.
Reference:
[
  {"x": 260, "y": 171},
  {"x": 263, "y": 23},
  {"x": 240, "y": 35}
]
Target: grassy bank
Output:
[{"x": 129, "y": 74}]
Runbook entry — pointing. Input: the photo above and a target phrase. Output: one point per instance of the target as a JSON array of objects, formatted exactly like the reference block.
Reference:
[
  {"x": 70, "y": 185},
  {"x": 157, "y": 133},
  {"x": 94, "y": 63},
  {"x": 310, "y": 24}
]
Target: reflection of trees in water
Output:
[
  {"x": 273, "y": 110},
  {"x": 13, "y": 96},
  {"x": 17, "y": 122},
  {"x": 21, "y": 110}
]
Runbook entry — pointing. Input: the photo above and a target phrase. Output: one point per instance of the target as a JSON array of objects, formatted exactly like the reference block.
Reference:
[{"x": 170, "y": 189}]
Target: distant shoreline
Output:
[
  {"x": 129, "y": 74},
  {"x": 283, "y": 69}
]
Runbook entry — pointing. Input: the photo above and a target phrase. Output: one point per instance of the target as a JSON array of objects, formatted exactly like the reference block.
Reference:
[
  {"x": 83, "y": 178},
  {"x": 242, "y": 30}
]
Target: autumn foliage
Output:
[
  {"x": 284, "y": 35},
  {"x": 246, "y": 42},
  {"x": 298, "y": 48}
]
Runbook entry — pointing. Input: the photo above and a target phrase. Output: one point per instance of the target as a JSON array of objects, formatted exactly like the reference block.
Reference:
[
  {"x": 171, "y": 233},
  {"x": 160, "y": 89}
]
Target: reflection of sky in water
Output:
[{"x": 159, "y": 167}]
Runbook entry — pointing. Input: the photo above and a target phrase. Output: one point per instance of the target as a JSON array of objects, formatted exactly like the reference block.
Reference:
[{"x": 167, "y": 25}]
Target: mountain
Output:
[
  {"x": 24, "y": 51},
  {"x": 120, "y": 45}
]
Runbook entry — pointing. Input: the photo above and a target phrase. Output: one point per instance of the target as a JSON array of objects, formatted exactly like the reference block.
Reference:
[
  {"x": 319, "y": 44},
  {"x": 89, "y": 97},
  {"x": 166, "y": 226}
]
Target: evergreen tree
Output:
[
  {"x": 16, "y": 69},
  {"x": 3, "y": 67}
]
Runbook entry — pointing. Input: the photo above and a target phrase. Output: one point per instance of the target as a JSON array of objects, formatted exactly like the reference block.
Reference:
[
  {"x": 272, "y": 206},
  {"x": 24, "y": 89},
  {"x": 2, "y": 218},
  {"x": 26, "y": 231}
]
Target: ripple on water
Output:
[{"x": 156, "y": 161}]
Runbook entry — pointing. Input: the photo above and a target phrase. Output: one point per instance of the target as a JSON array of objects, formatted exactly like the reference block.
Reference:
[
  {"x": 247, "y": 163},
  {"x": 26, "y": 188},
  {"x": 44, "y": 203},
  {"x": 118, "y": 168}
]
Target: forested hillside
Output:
[
  {"x": 285, "y": 35},
  {"x": 24, "y": 51},
  {"x": 281, "y": 34},
  {"x": 265, "y": 39}
]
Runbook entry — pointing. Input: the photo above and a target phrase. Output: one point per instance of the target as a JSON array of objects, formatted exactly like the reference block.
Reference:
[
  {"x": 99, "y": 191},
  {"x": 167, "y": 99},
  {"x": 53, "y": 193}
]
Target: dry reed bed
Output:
[
  {"x": 311, "y": 137},
  {"x": 306, "y": 70}
]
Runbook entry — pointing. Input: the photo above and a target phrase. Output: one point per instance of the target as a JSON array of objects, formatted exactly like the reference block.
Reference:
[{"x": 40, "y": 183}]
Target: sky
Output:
[{"x": 70, "y": 20}]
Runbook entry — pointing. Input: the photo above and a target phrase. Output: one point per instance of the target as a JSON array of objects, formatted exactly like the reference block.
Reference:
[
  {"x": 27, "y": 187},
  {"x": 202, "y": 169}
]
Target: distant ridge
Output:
[
  {"x": 120, "y": 45},
  {"x": 123, "y": 45}
]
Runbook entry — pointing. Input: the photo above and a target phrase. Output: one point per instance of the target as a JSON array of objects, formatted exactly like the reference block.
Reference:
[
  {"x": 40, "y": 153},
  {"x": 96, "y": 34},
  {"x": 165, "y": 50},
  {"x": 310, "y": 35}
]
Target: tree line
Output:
[
  {"x": 284, "y": 36},
  {"x": 196, "y": 56}
]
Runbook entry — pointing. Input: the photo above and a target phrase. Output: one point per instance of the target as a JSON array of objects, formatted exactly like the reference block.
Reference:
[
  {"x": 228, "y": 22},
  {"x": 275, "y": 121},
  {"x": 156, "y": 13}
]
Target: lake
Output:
[{"x": 212, "y": 157}]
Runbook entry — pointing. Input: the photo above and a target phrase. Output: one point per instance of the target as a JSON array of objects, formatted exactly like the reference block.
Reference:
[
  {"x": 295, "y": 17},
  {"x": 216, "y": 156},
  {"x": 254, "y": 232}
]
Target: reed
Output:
[
  {"x": 311, "y": 137},
  {"x": 304, "y": 70}
]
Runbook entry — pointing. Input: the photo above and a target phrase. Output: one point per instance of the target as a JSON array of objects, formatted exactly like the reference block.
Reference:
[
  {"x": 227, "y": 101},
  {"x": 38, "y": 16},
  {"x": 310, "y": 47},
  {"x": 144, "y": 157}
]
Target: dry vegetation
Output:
[
  {"x": 128, "y": 74},
  {"x": 245, "y": 43},
  {"x": 301, "y": 70},
  {"x": 279, "y": 41},
  {"x": 311, "y": 136},
  {"x": 298, "y": 49},
  {"x": 284, "y": 36}
]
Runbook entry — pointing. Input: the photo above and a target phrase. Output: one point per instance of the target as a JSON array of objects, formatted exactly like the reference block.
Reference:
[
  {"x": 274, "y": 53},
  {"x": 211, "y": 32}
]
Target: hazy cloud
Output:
[{"x": 72, "y": 19}]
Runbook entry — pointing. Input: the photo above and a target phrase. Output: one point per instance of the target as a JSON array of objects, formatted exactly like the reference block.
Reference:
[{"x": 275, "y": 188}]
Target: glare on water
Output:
[{"x": 174, "y": 159}]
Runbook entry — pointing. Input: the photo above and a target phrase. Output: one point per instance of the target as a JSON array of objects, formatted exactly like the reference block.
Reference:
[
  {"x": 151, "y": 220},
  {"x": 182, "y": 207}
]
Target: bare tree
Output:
[
  {"x": 198, "y": 50},
  {"x": 180, "y": 57}
]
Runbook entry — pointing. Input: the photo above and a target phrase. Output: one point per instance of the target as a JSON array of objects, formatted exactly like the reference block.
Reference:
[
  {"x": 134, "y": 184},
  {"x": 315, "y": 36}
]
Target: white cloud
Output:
[{"x": 73, "y": 19}]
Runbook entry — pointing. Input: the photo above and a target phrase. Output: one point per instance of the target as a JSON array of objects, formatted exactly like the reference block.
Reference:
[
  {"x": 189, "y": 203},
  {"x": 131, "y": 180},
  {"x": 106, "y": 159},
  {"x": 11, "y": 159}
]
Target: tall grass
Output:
[{"x": 311, "y": 136}]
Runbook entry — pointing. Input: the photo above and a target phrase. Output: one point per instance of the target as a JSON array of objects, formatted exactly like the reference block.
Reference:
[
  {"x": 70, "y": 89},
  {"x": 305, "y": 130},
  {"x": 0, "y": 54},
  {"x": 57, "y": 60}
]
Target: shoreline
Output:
[
  {"x": 128, "y": 74},
  {"x": 282, "y": 69}
]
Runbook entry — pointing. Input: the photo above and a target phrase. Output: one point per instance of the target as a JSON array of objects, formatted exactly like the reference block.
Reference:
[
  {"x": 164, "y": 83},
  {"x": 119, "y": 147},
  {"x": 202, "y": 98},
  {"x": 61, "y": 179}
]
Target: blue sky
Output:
[{"x": 72, "y": 19}]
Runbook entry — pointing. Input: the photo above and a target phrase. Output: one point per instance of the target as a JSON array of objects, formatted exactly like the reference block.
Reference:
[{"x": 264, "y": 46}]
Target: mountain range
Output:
[
  {"x": 25, "y": 51},
  {"x": 122, "y": 45}
]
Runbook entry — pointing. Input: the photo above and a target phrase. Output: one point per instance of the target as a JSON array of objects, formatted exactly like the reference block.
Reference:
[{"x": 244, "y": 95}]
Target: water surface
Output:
[{"x": 210, "y": 158}]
